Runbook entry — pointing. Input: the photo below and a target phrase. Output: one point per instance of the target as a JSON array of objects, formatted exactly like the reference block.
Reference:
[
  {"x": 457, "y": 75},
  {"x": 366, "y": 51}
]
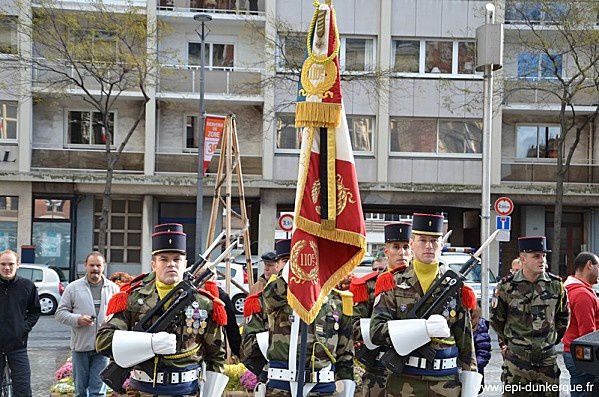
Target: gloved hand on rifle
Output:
[
  {"x": 436, "y": 326},
  {"x": 131, "y": 347},
  {"x": 408, "y": 335}
]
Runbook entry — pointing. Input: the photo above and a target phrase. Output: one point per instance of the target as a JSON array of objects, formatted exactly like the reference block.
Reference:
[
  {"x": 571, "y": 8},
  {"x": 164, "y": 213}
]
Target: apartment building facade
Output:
[{"x": 414, "y": 111}]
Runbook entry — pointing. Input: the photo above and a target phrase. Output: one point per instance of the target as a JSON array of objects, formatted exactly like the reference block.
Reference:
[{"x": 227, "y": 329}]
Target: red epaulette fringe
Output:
[
  {"x": 219, "y": 314},
  {"x": 360, "y": 291},
  {"x": 133, "y": 283},
  {"x": 468, "y": 297},
  {"x": 252, "y": 305},
  {"x": 385, "y": 282},
  {"x": 212, "y": 288},
  {"x": 117, "y": 303}
]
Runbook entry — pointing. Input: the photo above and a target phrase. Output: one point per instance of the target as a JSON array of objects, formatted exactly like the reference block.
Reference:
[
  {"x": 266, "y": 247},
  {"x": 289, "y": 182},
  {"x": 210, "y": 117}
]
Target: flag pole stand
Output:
[{"x": 301, "y": 367}]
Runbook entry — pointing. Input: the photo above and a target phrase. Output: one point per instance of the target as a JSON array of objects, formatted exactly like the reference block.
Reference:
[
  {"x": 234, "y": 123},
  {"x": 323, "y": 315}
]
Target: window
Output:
[
  {"x": 8, "y": 34},
  {"x": 8, "y": 120},
  {"x": 96, "y": 45},
  {"x": 534, "y": 66},
  {"x": 438, "y": 56},
  {"x": 9, "y": 216},
  {"x": 466, "y": 57},
  {"x": 34, "y": 275},
  {"x": 51, "y": 231},
  {"x": 441, "y": 136},
  {"x": 360, "y": 132},
  {"x": 192, "y": 125},
  {"x": 460, "y": 136},
  {"x": 537, "y": 141},
  {"x": 292, "y": 51},
  {"x": 218, "y": 55},
  {"x": 534, "y": 12},
  {"x": 86, "y": 128},
  {"x": 407, "y": 56},
  {"x": 123, "y": 240},
  {"x": 357, "y": 54},
  {"x": 434, "y": 56},
  {"x": 287, "y": 136}
]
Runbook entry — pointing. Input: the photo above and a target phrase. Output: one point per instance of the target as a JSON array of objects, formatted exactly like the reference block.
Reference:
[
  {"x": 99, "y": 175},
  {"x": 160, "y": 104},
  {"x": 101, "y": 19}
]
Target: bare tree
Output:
[
  {"x": 96, "y": 51},
  {"x": 561, "y": 41}
]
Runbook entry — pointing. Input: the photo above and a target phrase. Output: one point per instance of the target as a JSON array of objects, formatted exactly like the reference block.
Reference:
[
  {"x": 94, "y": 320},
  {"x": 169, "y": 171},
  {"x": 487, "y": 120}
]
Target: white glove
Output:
[
  {"x": 344, "y": 388},
  {"x": 436, "y": 326},
  {"x": 164, "y": 343}
]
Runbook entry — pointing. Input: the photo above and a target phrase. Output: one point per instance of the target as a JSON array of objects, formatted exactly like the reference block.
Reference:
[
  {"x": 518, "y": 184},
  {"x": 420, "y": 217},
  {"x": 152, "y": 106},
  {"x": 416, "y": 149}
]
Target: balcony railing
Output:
[
  {"x": 517, "y": 171},
  {"x": 540, "y": 91},
  {"x": 108, "y": 5},
  {"x": 225, "y": 7},
  {"x": 54, "y": 76},
  {"x": 185, "y": 79}
]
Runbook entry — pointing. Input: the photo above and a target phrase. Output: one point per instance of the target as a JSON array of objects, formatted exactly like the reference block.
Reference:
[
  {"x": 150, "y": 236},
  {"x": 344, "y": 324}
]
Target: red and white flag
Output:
[{"x": 328, "y": 243}]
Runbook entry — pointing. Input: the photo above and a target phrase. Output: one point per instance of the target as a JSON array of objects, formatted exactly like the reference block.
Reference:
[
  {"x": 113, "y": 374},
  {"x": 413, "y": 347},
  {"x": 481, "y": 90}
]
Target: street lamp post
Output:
[
  {"x": 202, "y": 18},
  {"x": 489, "y": 46}
]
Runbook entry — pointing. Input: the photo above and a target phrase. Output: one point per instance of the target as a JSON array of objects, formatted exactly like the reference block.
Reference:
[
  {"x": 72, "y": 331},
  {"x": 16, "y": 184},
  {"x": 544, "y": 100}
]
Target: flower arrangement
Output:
[
  {"x": 62, "y": 387},
  {"x": 65, "y": 371},
  {"x": 248, "y": 380},
  {"x": 234, "y": 372}
]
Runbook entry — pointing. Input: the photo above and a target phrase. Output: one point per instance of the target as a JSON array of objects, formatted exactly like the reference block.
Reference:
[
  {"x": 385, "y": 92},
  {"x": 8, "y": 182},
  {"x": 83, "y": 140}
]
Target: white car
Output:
[
  {"x": 238, "y": 275},
  {"x": 455, "y": 260},
  {"x": 49, "y": 286}
]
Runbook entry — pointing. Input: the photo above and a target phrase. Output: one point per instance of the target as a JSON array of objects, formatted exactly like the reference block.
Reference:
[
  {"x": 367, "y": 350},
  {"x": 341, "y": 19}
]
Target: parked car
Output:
[
  {"x": 47, "y": 281},
  {"x": 238, "y": 275},
  {"x": 455, "y": 259},
  {"x": 364, "y": 267}
]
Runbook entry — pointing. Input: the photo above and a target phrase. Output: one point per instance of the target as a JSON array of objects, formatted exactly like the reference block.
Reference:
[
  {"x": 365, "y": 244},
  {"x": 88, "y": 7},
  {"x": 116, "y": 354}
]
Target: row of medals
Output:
[{"x": 195, "y": 319}]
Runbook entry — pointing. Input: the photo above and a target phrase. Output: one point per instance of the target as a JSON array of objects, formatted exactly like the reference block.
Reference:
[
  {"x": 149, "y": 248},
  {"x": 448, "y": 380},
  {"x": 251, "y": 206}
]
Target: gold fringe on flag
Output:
[{"x": 317, "y": 114}]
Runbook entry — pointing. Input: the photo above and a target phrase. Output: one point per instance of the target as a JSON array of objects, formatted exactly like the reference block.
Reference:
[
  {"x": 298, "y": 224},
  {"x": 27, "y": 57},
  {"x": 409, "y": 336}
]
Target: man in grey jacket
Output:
[{"x": 82, "y": 307}]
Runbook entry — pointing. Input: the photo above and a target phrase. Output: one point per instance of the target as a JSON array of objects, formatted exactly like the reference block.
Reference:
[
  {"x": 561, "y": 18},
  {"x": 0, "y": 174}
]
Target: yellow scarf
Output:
[
  {"x": 426, "y": 273},
  {"x": 164, "y": 289}
]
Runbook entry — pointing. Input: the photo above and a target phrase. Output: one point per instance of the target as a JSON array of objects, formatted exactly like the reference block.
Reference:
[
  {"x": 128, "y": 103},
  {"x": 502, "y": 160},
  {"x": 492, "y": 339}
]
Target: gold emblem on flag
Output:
[
  {"x": 344, "y": 195},
  {"x": 299, "y": 261},
  {"x": 318, "y": 77}
]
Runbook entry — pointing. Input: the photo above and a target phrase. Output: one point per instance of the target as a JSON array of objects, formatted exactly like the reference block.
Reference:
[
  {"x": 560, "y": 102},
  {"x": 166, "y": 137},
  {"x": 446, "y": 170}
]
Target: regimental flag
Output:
[{"x": 329, "y": 233}]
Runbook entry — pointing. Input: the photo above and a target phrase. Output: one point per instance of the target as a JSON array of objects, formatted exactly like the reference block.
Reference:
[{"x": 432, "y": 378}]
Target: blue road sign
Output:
[{"x": 503, "y": 222}]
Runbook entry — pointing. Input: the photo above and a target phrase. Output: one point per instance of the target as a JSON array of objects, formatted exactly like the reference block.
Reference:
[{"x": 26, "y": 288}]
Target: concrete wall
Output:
[
  {"x": 50, "y": 128},
  {"x": 248, "y": 39},
  {"x": 436, "y": 18},
  {"x": 172, "y": 117}
]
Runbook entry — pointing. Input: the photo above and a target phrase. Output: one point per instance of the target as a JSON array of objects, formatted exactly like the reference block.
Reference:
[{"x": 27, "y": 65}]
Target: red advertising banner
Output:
[{"x": 213, "y": 130}]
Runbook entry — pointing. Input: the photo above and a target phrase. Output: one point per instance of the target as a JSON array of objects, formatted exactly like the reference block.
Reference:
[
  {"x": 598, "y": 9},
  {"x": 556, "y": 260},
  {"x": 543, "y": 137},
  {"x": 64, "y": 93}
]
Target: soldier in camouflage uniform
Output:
[
  {"x": 530, "y": 315},
  {"x": 330, "y": 346},
  {"x": 449, "y": 334},
  {"x": 254, "y": 338},
  {"x": 165, "y": 363},
  {"x": 399, "y": 255}
]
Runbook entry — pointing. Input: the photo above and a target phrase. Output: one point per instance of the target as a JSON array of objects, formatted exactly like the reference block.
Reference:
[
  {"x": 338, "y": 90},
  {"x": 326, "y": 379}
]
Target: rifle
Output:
[
  {"x": 436, "y": 299},
  {"x": 181, "y": 296}
]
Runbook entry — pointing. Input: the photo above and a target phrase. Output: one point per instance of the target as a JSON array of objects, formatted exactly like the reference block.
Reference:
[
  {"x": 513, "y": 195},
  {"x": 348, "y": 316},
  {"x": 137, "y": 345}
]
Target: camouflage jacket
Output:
[
  {"x": 208, "y": 340},
  {"x": 530, "y": 318},
  {"x": 363, "y": 290},
  {"x": 395, "y": 304},
  {"x": 330, "y": 334},
  {"x": 255, "y": 321}
]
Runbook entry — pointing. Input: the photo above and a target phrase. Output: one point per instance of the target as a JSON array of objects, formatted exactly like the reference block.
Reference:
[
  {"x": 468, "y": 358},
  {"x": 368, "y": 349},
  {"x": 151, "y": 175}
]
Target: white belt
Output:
[
  {"x": 176, "y": 377},
  {"x": 438, "y": 363},
  {"x": 325, "y": 375}
]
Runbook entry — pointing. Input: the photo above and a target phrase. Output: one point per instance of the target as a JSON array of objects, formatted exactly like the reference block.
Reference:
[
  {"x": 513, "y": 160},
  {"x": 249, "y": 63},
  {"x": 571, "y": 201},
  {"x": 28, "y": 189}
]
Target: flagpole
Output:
[{"x": 301, "y": 368}]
